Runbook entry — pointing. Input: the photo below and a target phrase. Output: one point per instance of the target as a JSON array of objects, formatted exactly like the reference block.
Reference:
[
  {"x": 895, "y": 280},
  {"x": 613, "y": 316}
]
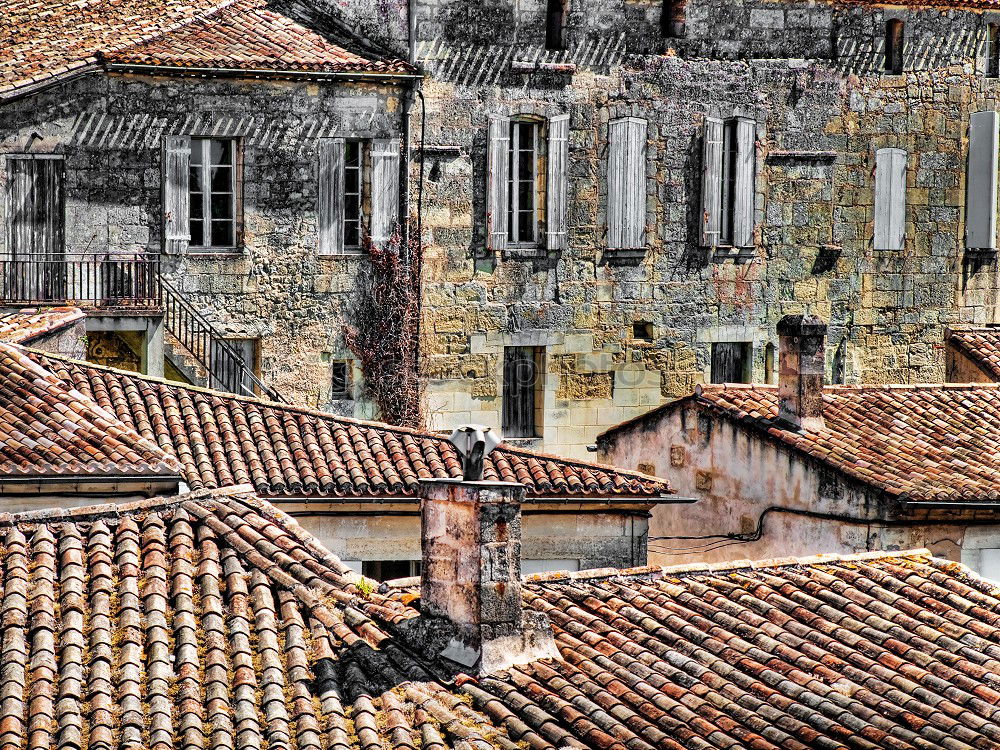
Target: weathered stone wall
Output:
[
  {"x": 736, "y": 476},
  {"x": 809, "y": 74},
  {"x": 110, "y": 129}
]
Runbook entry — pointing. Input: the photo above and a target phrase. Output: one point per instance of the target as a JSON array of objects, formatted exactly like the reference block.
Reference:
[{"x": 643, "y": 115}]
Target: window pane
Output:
[
  {"x": 196, "y": 146},
  {"x": 222, "y": 206},
  {"x": 352, "y": 234},
  {"x": 222, "y": 234},
  {"x": 222, "y": 179},
  {"x": 222, "y": 151},
  {"x": 197, "y": 236},
  {"x": 352, "y": 179}
]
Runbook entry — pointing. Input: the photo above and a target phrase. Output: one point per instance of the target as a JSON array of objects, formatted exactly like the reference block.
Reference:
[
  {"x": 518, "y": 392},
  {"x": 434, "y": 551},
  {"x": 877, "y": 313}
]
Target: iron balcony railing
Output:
[
  {"x": 224, "y": 365},
  {"x": 100, "y": 279}
]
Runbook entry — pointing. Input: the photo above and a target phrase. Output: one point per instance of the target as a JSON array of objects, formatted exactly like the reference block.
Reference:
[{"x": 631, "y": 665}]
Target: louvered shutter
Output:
[
  {"x": 711, "y": 182},
  {"x": 330, "y": 196},
  {"x": 981, "y": 201},
  {"x": 746, "y": 162},
  {"x": 890, "y": 198},
  {"x": 558, "y": 164},
  {"x": 176, "y": 196},
  {"x": 497, "y": 179},
  {"x": 385, "y": 188},
  {"x": 627, "y": 183}
]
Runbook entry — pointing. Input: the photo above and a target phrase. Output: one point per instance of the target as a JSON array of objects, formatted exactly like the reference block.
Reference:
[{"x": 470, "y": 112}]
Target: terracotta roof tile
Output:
[
  {"x": 49, "y": 428},
  {"x": 981, "y": 345},
  {"x": 221, "y": 439},
  {"x": 46, "y": 39},
  {"x": 29, "y": 324},
  {"x": 935, "y": 442}
]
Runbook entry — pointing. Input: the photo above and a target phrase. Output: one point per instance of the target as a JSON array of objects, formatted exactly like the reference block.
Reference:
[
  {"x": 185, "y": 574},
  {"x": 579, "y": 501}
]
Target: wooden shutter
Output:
[
  {"x": 385, "y": 189},
  {"x": 330, "y": 196},
  {"x": 556, "y": 187},
  {"x": 520, "y": 388},
  {"x": 497, "y": 182},
  {"x": 176, "y": 195},
  {"x": 745, "y": 187},
  {"x": 981, "y": 200},
  {"x": 890, "y": 198},
  {"x": 627, "y": 183},
  {"x": 711, "y": 182}
]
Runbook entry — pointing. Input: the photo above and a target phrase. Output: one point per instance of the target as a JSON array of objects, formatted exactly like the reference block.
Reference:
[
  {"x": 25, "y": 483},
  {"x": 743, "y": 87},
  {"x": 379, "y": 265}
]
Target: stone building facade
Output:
[{"x": 617, "y": 331}]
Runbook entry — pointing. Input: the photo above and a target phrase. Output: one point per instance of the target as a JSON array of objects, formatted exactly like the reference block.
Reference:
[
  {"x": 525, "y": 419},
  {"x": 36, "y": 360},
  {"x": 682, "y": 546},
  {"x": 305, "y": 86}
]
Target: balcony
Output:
[{"x": 94, "y": 280}]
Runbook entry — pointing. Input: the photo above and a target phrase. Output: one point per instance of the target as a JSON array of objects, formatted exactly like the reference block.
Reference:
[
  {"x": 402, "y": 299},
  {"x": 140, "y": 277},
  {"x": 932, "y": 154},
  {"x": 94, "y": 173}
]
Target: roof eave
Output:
[{"x": 276, "y": 73}]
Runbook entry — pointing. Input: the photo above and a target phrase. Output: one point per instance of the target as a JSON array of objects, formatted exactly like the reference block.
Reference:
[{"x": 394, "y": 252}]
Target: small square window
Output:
[
  {"x": 642, "y": 330},
  {"x": 340, "y": 382}
]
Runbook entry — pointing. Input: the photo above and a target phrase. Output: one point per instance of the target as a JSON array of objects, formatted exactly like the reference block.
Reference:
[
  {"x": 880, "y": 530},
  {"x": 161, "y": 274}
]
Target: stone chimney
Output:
[
  {"x": 801, "y": 364},
  {"x": 471, "y": 576}
]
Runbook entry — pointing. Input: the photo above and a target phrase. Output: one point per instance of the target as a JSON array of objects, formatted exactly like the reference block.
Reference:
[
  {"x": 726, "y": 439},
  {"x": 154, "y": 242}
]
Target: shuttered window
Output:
[
  {"x": 331, "y": 199},
  {"x": 981, "y": 200},
  {"x": 522, "y": 391},
  {"x": 731, "y": 362},
  {"x": 35, "y": 205},
  {"x": 729, "y": 159},
  {"x": 176, "y": 196},
  {"x": 557, "y": 183},
  {"x": 627, "y": 183},
  {"x": 385, "y": 189},
  {"x": 497, "y": 168},
  {"x": 522, "y": 200},
  {"x": 890, "y": 199},
  {"x": 212, "y": 193}
]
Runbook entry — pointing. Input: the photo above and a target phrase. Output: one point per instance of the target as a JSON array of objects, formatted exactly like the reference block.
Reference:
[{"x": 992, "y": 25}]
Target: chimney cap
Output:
[
  {"x": 474, "y": 442},
  {"x": 801, "y": 325}
]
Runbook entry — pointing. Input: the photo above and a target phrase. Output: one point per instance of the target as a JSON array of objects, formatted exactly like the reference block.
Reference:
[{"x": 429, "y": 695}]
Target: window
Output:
[
  {"x": 838, "y": 376},
  {"x": 642, "y": 330},
  {"x": 729, "y": 151},
  {"x": 731, "y": 362},
  {"x": 340, "y": 383},
  {"x": 671, "y": 18},
  {"x": 388, "y": 570},
  {"x": 769, "y": 364},
  {"x": 212, "y": 186},
  {"x": 894, "y": 39},
  {"x": 35, "y": 205},
  {"x": 728, "y": 182},
  {"x": 993, "y": 50},
  {"x": 555, "y": 20},
  {"x": 522, "y": 211},
  {"x": 627, "y": 184},
  {"x": 353, "y": 193},
  {"x": 522, "y": 391}
]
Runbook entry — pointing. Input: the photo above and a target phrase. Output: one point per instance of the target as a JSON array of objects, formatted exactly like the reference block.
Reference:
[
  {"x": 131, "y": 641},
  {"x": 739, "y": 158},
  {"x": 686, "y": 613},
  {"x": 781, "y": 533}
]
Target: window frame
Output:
[
  {"x": 360, "y": 167},
  {"x": 516, "y": 389},
  {"x": 992, "y": 68},
  {"x": 555, "y": 25},
  {"x": 514, "y": 209},
  {"x": 746, "y": 354},
  {"x": 346, "y": 394},
  {"x": 894, "y": 54},
  {"x": 203, "y": 172}
]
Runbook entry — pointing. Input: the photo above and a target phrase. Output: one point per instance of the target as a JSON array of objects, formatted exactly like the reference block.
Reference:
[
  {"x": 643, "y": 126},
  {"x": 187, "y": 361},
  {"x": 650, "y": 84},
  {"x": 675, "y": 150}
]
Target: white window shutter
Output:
[
  {"x": 497, "y": 179},
  {"x": 556, "y": 179},
  {"x": 176, "y": 198},
  {"x": 711, "y": 182},
  {"x": 745, "y": 187},
  {"x": 385, "y": 188},
  {"x": 330, "y": 196},
  {"x": 981, "y": 181},
  {"x": 890, "y": 198},
  {"x": 627, "y": 183}
]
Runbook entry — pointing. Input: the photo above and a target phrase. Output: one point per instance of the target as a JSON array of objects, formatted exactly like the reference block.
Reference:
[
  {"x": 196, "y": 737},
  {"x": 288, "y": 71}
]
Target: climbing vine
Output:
[{"x": 384, "y": 326}]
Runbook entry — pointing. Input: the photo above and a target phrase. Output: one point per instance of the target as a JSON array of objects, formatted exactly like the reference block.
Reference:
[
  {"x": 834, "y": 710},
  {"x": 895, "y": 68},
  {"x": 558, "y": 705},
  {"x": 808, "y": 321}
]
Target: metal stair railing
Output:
[{"x": 225, "y": 366}]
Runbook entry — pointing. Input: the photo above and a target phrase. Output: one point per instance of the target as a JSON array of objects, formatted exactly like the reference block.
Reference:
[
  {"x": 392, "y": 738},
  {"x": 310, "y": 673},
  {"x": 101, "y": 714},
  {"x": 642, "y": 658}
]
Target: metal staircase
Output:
[{"x": 223, "y": 366}]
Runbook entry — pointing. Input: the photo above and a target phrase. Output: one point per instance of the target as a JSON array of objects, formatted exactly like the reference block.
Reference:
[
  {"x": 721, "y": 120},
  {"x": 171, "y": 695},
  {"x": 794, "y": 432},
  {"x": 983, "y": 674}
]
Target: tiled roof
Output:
[
  {"x": 247, "y": 36},
  {"x": 42, "y": 40},
  {"x": 214, "y": 621},
  {"x": 981, "y": 345},
  {"x": 915, "y": 442},
  {"x": 224, "y": 440},
  {"x": 47, "y": 428},
  {"x": 28, "y": 324}
]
